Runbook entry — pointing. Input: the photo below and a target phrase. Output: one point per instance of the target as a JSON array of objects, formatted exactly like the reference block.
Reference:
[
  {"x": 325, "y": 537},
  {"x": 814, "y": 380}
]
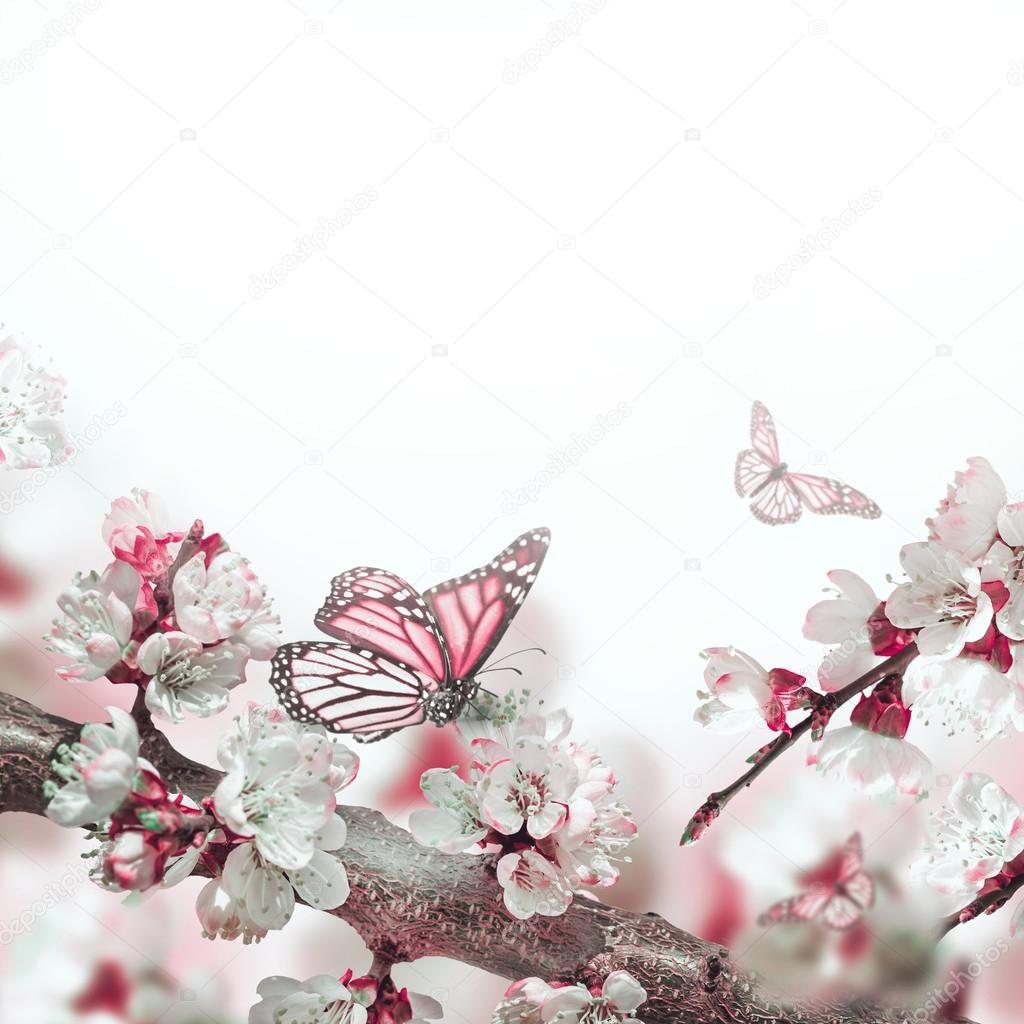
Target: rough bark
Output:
[{"x": 408, "y": 902}]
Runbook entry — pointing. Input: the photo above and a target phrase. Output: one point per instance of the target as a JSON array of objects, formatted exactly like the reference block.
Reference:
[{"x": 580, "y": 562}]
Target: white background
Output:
[{"x": 541, "y": 248}]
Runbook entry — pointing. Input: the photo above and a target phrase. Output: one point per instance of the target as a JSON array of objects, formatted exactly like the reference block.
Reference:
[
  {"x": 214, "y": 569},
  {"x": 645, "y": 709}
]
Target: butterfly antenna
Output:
[
  {"x": 525, "y": 650},
  {"x": 504, "y": 668}
]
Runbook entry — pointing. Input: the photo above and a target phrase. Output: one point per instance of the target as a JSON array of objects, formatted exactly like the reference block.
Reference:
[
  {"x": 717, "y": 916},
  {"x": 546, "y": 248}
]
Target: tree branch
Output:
[
  {"x": 408, "y": 901},
  {"x": 716, "y": 802},
  {"x": 987, "y": 903}
]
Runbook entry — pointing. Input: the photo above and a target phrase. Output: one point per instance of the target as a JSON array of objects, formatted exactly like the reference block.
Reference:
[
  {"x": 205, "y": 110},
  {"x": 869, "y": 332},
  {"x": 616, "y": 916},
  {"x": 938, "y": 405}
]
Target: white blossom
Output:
[
  {"x": 943, "y": 598},
  {"x": 979, "y": 831},
  {"x": 454, "y": 825},
  {"x": 967, "y": 693},
  {"x": 98, "y": 772},
  {"x": 187, "y": 676},
  {"x": 31, "y": 401},
  {"x": 225, "y": 600},
  {"x": 221, "y": 916},
  {"x": 843, "y": 622},
  {"x": 742, "y": 694},
  {"x": 534, "y": 1001},
  {"x": 531, "y": 884},
  {"x": 280, "y": 783},
  {"x": 96, "y": 628},
  {"x": 965, "y": 521},
  {"x": 318, "y": 1000}
]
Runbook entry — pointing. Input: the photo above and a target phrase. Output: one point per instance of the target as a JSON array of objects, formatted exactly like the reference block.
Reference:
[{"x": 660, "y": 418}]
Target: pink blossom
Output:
[
  {"x": 741, "y": 694},
  {"x": 137, "y": 532}
]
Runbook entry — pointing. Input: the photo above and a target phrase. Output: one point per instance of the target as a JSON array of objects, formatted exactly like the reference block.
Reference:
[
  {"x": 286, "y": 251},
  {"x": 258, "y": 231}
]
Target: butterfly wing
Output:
[
  {"x": 827, "y": 497},
  {"x": 845, "y": 910},
  {"x": 752, "y": 471},
  {"x": 348, "y": 688},
  {"x": 378, "y": 611},
  {"x": 777, "y": 503},
  {"x": 851, "y": 861},
  {"x": 805, "y": 907},
  {"x": 474, "y": 610},
  {"x": 763, "y": 438}
]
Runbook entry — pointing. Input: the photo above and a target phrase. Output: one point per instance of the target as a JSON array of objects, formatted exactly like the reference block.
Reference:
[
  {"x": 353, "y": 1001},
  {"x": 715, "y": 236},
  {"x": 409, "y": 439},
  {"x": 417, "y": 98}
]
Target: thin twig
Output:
[{"x": 712, "y": 807}]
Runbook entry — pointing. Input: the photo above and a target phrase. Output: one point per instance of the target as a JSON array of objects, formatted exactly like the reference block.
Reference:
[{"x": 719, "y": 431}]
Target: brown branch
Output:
[
  {"x": 716, "y": 802},
  {"x": 984, "y": 904},
  {"x": 408, "y": 902}
]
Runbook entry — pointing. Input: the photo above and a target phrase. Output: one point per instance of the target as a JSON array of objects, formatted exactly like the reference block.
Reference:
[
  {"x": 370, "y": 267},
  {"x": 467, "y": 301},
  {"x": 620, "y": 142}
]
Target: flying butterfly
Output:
[
  {"x": 837, "y": 893},
  {"x": 778, "y": 493},
  {"x": 399, "y": 658}
]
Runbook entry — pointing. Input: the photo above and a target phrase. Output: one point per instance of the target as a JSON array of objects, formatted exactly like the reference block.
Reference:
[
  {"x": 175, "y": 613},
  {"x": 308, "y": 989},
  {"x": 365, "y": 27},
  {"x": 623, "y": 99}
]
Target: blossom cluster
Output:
[
  {"x": 276, "y": 805},
  {"x": 265, "y": 833},
  {"x": 323, "y": 999},
  {"x": 145, "y": 831},
  {"x": 177, "y": 614},
  {"x": 32, "y": 434},
  {"x": 961, "y": 605},
  {"x": 976, "y": 844},
  {"x": 533, "y": 1001},
  {"x": 545, "y": 806}
]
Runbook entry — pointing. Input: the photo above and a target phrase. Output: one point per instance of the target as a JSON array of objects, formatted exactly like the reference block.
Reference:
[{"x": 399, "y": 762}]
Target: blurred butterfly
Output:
[
  {"x": 399, "y": 658},
  {"x": 778, "y": 493},
  {"x": 837, "y": 893}
]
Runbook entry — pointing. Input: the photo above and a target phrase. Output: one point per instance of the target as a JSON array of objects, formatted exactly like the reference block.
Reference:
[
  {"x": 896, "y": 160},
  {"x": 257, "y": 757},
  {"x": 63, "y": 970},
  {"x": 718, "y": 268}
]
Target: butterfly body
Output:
[
  {"x": 446, "y": 706},
  {"x": 399, "y": 658},
  {"x": 777, "y": 473},
  {"x": 778, "y": 495}
]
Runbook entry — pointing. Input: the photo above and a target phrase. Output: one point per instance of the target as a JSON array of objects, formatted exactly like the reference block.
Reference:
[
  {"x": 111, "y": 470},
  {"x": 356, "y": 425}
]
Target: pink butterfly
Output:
[
  {"x": 778, "y": 493},
  {"x": 838, "y": 892},
  {"x": 400, "y": 658}
]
